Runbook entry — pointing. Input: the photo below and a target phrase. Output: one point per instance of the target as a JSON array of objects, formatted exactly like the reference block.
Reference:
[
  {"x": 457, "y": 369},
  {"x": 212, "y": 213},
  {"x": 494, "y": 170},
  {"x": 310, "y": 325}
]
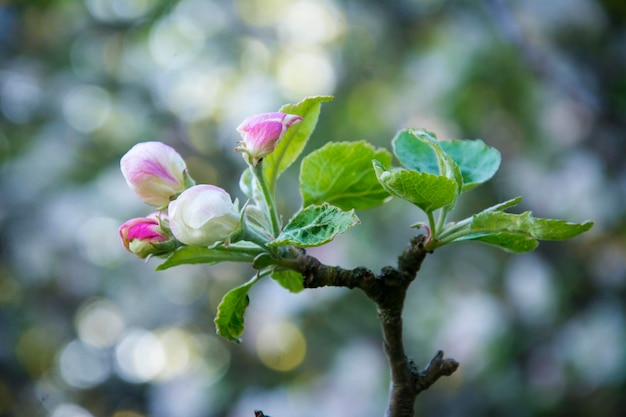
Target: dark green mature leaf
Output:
[
  {"x": 292, "y": 144},
  {"x": 518, "y": 232},
  {"x": 315, "y": 225},
  {"x": 477, "y": 161},
  {"x": 341, "y": 174},
  {"x": 207, "y": 256},
  {"x": 230, "y": 313},
  {"x": 289, "y": 279},
  {"x": 427, "y": 191}
]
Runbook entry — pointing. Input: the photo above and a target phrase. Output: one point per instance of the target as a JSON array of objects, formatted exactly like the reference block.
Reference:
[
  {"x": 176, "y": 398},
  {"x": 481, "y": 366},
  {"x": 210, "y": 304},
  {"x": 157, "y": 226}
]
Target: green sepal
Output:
[
  {"x": 207, "y": 256},
  {"x": 249, "y": 186},
  {"x": 289, "y": 279},
  {"x": 230, "y": 312},
  {"x": 341, "y": 174},
  {"x": 315, "y": 225},
  {"x": 427, "y": 191},
  {"x": 294, "y": 140}
]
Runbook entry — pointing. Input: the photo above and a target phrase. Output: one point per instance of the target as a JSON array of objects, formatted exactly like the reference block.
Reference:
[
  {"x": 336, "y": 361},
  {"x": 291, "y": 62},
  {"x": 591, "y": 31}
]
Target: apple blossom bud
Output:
[
  {"x": 262, "y": 132},
  {"x": 155, "y": 172},
  {"x": 203, "y": 215},
  {"x": 144, "y": 236}
]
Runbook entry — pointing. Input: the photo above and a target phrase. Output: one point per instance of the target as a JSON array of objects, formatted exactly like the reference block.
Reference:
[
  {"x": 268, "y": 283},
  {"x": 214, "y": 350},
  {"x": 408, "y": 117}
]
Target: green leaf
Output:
[
  {"x": 416, "y": 152},
  {"x": 341, "y": 174},
  {"x": 419, "y": 150},
  {"x": 230, "y": 312},
  {"x": 427, "y": 191},
  {"x": 477, "y": 161},
  {"x": 263, "y": 260},
  {"x": 289, "y": 279},
  {"x": 292, "y": 144},
  {"x": 507, "y": 241},
  {"x": 518, "y": 232},
  {"x": 315, "y": 225},
  {"x": 505, "y": 205},
  {"x": 207, "y": 256}
]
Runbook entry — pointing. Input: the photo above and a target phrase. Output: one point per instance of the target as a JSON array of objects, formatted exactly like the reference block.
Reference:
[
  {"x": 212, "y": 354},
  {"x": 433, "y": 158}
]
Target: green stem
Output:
[
  {"x": 454, "y": 228},
  {"x": 256, "y": 236},
  {"x": 252, "y": 251},
  {"x": 432, "y": 224},
  {"x": 443, "y": 215},
  {"x": 257, "y": 170}
]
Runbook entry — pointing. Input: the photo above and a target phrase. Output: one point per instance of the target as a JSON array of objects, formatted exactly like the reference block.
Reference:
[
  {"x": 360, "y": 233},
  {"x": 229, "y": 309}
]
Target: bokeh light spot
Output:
[
  {"x": 19, "y": 97},
  {"x": 70, "y": 410},
  {"x": 310, "y": 23},
  {"x": 260, "y": 12},
  {"x": 112, "y": 10},
  {"x": 86, "y": 107},
  {"x": 139, "y": 356},
  {"x": 306, "y": 74},
  {"x": 174, "y": 44},
  {"x": 99, "y": 240},
  {"x": 99, "y": 323},
  {"x": 281, "y": 346},
  {"x": 83, "y": 366},
  {"x": 179, "y": 348}
]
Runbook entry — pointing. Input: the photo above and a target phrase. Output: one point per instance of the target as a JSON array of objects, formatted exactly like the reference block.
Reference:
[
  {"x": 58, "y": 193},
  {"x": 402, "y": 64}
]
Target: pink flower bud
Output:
[
  {"x": 262, "y": 132},
  {"x": 155, "y": 172},
  {"x": 203, "y": 215},
  {"x": 144, "y": 236}
]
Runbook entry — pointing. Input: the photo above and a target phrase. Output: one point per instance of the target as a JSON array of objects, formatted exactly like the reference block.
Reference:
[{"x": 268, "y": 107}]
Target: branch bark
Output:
[{"x": 388, "y": 290}]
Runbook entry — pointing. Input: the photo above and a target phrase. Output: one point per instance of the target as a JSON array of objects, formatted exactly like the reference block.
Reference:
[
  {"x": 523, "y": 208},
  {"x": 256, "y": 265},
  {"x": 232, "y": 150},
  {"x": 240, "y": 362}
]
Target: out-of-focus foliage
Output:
[{"x": 86, "y": 329}]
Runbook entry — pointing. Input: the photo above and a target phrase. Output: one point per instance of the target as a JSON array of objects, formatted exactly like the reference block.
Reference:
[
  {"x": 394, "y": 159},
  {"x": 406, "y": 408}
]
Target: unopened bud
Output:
[
  {"x": 203, "y": 215},
  {"x": 155, "y": 172},
  {"x": 262, "y": 132}
]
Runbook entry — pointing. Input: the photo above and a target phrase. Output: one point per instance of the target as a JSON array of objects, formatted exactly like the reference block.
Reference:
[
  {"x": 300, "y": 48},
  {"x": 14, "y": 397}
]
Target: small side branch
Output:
[{"x": 437, "y": 368}]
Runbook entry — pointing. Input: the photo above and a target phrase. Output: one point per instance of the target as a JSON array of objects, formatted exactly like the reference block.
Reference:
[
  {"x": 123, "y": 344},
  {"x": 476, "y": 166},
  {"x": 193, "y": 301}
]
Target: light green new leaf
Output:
[
  {"x": 416, "y": 152},
  {"x": 477, "y": 161},
  {"x": 341, "y": 174},
  {"x": 289, "y": 279},
  {"x": 315, "y": 225},
  {"x": 507, "y": 241},
  {"x": 230, "y": 312},
  {"x": 207, "y": 256},
  {"x": 505, "y": 205},
  {"x": 419, "y": 150},
  {"x": 427, "y": 191},
  {"x": 292, "y": 144},
  {"x": 519, "y": 232}
]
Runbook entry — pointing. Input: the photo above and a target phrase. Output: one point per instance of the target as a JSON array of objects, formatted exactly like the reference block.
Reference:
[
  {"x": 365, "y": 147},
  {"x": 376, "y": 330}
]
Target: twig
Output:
[{"x": 388, "y": 290}]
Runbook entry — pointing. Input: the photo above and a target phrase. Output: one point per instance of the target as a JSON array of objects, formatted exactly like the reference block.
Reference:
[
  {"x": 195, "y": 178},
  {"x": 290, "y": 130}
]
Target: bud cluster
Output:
[{"x": 189, "y": 214}]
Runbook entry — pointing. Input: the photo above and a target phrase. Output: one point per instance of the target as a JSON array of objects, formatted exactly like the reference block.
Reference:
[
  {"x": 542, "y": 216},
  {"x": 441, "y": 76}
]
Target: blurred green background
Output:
[{"x": 88, "y": 330}]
